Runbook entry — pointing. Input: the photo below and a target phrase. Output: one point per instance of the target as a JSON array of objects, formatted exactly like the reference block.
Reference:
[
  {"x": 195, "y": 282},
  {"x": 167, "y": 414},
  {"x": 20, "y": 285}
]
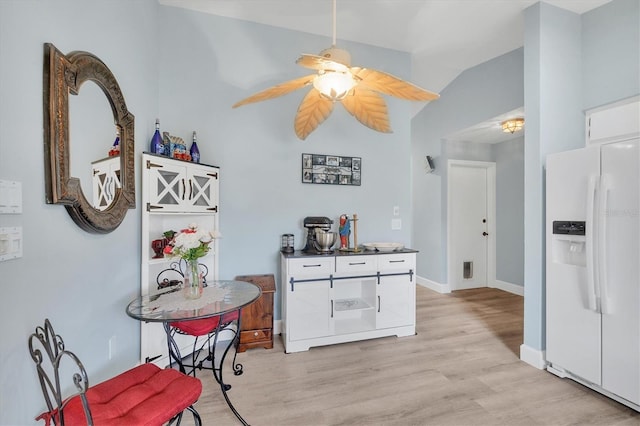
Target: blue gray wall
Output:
[
  {"x": 207, "y": 64},
  {"x": 187, "y": 69},
  {"x": 478, "y": 94},
  {"x": 610, "y": 53},
  {"x": 570, "y": 63},
  {"x": 82, "y": 282},
  {"x": 509, "y": 158},
  {"x": 562, "y": 80}
]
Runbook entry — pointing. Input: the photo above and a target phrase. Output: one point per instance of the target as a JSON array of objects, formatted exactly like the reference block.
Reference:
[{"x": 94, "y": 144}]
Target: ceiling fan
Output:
[{"x": 337, "y": 81}]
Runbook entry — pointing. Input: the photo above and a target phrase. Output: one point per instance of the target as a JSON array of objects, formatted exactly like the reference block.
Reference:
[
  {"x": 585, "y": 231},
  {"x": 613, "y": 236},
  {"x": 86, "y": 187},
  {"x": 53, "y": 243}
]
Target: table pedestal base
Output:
[{"x": 204, "y": 357}]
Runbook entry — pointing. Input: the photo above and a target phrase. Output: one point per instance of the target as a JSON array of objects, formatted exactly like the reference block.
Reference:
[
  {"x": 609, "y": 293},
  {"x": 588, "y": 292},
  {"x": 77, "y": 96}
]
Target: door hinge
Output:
[
  {"x": 150, "y": 207},
  {"x": 150, "y": 164},
  {"x": 150, "y": 359}
]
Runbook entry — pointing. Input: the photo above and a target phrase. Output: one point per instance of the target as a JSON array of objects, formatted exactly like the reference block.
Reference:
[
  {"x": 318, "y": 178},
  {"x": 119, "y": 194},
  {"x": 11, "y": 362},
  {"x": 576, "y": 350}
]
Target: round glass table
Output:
[{"x": 217, "y": 309}]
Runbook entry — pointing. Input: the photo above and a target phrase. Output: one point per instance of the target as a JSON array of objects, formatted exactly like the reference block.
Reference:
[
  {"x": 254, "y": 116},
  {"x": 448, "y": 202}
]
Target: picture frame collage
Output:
[{"x": 331, "y": 169}]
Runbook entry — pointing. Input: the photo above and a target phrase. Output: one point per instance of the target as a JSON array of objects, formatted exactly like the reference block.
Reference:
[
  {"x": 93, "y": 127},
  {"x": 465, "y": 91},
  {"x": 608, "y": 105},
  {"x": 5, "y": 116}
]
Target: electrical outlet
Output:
[
  {"x": 112, "y": 346},
  {"x": 10, "y": 243},
  {"x": 396, "y": 224}
]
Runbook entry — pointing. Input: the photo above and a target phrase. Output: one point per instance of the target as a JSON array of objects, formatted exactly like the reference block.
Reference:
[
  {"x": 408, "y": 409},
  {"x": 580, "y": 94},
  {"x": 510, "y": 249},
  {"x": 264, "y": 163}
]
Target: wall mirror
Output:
[{"x": 96, "y": 191}]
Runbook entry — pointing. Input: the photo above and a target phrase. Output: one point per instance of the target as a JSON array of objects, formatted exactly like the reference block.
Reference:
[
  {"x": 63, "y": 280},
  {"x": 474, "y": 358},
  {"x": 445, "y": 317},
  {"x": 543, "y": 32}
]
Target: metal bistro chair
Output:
[{"x": 143, "y": 395}]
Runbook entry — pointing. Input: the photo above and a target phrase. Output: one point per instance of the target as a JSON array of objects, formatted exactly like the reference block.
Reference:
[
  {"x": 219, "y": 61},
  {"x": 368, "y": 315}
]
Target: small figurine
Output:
[
  {"x": 345, "y": 231},
  {"x": 115, "y": 149}
]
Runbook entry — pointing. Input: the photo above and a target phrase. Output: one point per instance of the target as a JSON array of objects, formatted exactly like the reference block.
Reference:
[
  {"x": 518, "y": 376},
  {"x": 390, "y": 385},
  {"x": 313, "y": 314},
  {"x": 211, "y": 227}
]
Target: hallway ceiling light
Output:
[
  {"x": 337, "y": 81},
  {"x": 512, "y": 126}
]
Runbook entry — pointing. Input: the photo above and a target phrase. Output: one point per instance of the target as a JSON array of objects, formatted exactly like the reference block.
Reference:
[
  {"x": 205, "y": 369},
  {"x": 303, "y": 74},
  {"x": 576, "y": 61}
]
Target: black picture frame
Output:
[{"x": 331, "y": 169}]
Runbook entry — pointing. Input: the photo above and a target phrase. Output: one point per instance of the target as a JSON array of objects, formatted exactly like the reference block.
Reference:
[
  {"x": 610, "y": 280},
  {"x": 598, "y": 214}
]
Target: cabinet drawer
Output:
[
  {"x": 251, "y": 336},
  {"x": 389, "y": 262},
  {"x": 350, "y": 264},
  {"x": 315, "y": 266}
]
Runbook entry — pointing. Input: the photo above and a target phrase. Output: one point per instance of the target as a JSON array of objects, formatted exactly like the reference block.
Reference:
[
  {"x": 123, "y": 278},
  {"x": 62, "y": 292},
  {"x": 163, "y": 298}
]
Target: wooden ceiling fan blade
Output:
[
  {"x": 391, "y": 85},
  {"x": 278, "y": 90},
  {"x": 320, "y": 63},
  {"x": 368, "y": 108},
  {"x": 313, "y": 110}
]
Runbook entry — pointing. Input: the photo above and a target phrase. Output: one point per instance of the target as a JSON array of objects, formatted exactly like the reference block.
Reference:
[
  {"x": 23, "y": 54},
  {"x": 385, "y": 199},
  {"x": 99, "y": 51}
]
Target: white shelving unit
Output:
[{"x": 175, "y": 194}]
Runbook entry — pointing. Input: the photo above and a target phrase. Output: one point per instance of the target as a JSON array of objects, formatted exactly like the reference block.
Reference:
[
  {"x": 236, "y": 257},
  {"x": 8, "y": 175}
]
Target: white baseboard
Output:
[
  {"x": 533, "y": 357},
  {"x": 432, "y": 285},
  {"x": 446, "y": 288},
  {"x": 511, "y": 288},
  {"x": 277, "y": 327}
]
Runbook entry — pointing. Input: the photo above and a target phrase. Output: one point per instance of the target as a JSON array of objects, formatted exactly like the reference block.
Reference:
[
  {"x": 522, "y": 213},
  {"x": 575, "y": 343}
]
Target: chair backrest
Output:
[{"x": 52, "y": 360}]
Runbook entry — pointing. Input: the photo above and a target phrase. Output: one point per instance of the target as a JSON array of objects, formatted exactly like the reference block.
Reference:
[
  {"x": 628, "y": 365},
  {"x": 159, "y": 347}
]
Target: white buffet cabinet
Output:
[{"x": 337, "y": 298}]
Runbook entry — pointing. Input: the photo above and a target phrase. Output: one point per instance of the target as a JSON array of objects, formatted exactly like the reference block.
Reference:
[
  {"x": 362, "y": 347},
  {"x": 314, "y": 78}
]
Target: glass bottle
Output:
[
  {"x": 156, "y": 146},
  {"x": 194, "y": 151}
]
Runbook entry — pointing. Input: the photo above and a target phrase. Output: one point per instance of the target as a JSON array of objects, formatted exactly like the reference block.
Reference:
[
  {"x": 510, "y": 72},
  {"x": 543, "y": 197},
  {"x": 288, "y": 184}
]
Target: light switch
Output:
[
  {"x": 10, "y": 243},
  {"x": 396, "y": 210},
  {"x": 396, "y": 224},
  {"x": 10, "y": 197}
]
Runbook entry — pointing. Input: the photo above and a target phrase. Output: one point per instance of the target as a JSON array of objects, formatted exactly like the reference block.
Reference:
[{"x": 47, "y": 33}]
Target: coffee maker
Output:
[{"x": 311, "y": 223}]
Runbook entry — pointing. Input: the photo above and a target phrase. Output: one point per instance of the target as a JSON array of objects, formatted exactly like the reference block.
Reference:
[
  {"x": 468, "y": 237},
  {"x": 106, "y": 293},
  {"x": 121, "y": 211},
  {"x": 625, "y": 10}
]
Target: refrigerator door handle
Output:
[
  {"x": 601, "y": 254},
  {"x": 591, "y": 243}
]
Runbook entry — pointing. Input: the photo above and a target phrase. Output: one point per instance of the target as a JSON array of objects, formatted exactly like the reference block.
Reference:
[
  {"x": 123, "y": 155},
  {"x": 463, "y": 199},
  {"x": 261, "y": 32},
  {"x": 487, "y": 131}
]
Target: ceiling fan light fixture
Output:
[
  {"x": 337, "y": 55},
  {"x": 513, "y": 125},
  {"x": 334, "y": 85},
  {"x": 335, "y": 80}
]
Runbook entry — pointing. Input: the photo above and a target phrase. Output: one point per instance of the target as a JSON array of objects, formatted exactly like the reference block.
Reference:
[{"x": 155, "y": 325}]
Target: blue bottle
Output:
[
  {"x": 194, "y": 151},
  {"x": 156, "y": 146}
]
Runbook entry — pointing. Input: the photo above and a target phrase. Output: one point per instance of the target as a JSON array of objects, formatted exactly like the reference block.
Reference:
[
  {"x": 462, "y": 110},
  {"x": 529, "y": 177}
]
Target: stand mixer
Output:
[{"x": 313, "y": 223}]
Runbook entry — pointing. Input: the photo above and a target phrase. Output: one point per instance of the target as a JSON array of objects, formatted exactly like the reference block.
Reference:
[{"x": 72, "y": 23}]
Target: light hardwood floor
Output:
[{"x": 462, "y": 368}]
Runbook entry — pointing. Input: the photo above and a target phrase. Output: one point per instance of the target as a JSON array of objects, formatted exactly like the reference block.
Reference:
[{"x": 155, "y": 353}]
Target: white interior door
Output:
[{"x": 471, "y": 195}]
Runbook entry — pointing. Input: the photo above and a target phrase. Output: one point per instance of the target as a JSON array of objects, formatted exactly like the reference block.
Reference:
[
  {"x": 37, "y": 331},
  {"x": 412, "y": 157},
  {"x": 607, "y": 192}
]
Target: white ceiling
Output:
[{"x": 444, "y": 37}]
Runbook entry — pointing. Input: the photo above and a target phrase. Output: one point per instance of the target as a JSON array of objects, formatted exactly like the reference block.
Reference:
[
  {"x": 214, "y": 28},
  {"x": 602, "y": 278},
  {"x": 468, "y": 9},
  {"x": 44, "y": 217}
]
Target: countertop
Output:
[{"x": 337, "y": 252}]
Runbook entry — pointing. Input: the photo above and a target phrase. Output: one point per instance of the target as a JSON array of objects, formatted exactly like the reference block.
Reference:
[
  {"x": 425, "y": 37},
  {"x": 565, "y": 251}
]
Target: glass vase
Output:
[{"x": 192, "y": 280}]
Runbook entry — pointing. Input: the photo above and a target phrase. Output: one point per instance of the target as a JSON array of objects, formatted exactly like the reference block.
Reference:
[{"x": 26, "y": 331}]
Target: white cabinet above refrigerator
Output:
[{"x": 612, "y": 123}]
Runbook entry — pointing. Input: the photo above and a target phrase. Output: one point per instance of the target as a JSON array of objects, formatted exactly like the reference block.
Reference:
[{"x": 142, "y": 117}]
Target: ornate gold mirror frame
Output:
[{"x": 64, "y": 74}]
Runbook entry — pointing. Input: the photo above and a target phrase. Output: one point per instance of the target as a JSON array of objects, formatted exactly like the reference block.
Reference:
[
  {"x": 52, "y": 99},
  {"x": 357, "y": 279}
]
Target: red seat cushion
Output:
[
  {"x": 203, "y": 326},
  {"x": 144, "y": 395}
]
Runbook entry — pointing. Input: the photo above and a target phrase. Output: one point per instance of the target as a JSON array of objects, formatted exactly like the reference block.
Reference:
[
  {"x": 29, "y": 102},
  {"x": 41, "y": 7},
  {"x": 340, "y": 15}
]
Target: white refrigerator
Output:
[{"x": 593, "y": 268}]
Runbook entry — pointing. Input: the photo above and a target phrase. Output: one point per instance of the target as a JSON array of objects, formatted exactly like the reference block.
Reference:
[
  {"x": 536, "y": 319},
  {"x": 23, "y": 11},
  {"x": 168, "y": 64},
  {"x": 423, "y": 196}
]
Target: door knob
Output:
[{"x": 485, "y": 234}]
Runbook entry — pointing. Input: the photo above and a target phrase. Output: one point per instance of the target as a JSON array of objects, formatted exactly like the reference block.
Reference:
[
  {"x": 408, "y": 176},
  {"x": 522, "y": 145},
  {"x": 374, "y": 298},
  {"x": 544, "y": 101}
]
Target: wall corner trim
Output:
[{"x": 533, "y": 357}]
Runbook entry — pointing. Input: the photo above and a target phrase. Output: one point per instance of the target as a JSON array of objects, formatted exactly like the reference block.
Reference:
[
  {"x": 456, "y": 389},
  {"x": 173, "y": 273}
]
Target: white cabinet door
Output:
[
  {"x": 179, "y": 187},
  {"x": 396, "y": 291},
  {"x": 613, "y": 123},
  {"x": 573, "y": 330},
  {"x": 396, "y": 302},
  {"x": 620, "y": 270},
  {"x": 106, "y": 179},
  {"x": 309, "y": 310},
  {"x": 167, "y": 186},
  {"x": 202, "y": 188}
]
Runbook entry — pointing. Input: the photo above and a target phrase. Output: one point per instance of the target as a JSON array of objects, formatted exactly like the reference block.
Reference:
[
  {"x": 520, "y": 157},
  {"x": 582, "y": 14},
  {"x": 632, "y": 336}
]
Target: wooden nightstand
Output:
[{"x": 256, "y": 322}]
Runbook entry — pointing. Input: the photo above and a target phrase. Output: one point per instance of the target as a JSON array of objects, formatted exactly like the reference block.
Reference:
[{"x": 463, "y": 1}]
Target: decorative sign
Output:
[{"x": 331, "y": 169}]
